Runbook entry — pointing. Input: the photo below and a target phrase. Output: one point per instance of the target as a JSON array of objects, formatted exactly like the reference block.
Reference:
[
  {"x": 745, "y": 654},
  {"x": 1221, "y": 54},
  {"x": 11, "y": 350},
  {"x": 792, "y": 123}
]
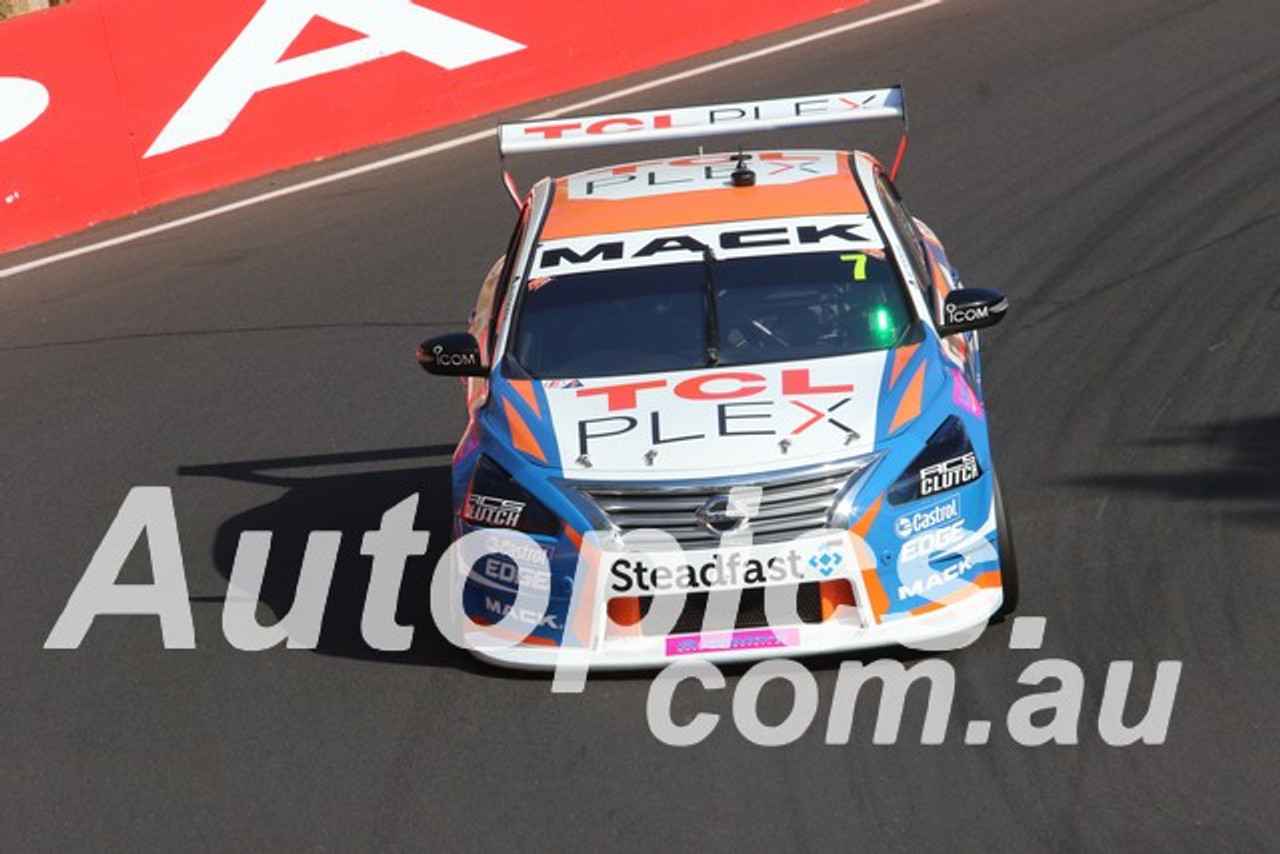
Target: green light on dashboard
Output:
[{"x": 882, "y": 332}]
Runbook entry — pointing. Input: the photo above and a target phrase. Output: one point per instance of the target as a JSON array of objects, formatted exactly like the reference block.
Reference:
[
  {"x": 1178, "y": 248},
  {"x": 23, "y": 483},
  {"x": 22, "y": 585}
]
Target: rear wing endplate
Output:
[{"x": 558, "y": 134}]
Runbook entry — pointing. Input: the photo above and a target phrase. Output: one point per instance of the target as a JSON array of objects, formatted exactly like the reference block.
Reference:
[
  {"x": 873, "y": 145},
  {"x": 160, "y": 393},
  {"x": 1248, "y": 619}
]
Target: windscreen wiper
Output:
[{"x": 712, "y": 318}]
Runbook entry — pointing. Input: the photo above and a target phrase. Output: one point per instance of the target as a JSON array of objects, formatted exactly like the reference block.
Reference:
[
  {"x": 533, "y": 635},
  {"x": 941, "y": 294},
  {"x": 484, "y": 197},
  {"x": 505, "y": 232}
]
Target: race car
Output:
[{"x": 726, "y": 406}]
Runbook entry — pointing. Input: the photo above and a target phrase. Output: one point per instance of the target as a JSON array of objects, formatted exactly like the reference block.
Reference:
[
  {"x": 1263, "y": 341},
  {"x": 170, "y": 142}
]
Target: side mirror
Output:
[
  {"x": 967, "y": 309},
  {"x": 454, "y": 355}
]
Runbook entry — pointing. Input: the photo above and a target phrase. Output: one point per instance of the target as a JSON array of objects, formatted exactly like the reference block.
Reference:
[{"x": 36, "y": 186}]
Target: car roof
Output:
[{"x": 697, "y": 190}]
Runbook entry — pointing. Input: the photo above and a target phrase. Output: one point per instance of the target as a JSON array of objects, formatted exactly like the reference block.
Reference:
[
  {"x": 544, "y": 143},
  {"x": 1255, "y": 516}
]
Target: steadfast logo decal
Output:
[
  {"x": 252, "y": 64},
  {"x": 727, "y": 240},
  {"x": 22, "y": 101},
  {"x": 759, "y": 566}
]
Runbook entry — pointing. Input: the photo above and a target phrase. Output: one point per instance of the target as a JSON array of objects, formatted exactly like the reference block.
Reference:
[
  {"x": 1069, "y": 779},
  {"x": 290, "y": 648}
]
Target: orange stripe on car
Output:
[
  {"x": 940, "y": 284},
  {"x": 867, "y": 519},
  {"x": 580, "y": 620},
  {"x": 524, "y": 388},
  {"x": 521, "y": 436},
  {"x": 875, "y": 590},
  {"x": 879, "y": 600},
  {"x": 901, "y": 357},
  {"x": 909, "y": 406}
]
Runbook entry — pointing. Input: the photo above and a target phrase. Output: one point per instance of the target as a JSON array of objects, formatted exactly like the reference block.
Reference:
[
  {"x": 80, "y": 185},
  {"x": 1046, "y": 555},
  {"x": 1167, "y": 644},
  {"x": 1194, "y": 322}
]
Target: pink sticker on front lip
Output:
[
  {"x": 962, "y": 395},
  {"x": 731, "y": 641}
]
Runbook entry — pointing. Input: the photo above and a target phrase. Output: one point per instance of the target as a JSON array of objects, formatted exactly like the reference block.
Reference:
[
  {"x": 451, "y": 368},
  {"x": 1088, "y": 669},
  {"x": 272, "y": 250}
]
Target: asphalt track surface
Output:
[{"x": 1114, "y": 167}]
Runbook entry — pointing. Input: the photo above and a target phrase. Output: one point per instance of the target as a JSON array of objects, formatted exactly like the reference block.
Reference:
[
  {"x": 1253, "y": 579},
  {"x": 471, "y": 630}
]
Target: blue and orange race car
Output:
[{"x": 730, "y": 403}]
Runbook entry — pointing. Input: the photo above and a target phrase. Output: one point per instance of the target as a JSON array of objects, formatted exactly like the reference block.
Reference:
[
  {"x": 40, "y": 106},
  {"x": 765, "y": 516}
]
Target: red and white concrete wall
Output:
[{"x": 111, "y": 106}]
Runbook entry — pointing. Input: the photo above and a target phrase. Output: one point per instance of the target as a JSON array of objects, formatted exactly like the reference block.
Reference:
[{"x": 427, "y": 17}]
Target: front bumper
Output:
[{"x": 842, "y": 633}]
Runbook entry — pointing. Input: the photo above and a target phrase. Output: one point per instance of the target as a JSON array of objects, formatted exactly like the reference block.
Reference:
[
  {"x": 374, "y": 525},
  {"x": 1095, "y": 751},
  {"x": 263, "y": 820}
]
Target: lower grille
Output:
[{"x": 791, "y": 504}]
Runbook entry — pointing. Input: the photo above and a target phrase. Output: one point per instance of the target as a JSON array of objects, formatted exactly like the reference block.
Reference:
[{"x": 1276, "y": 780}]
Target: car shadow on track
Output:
[
  {"x": 1233, "y": 463},
  {"x": 347, "y": 492}
]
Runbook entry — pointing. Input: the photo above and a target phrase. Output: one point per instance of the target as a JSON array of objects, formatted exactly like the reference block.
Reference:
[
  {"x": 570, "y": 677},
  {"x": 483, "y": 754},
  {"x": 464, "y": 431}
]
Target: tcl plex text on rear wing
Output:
[{"x": 557, "y": 134}]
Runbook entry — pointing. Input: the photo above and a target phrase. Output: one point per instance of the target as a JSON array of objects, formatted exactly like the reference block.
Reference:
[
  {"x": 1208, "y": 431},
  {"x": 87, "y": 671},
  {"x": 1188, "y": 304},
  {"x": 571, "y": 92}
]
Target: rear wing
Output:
[{"x": 558, "y": 134}]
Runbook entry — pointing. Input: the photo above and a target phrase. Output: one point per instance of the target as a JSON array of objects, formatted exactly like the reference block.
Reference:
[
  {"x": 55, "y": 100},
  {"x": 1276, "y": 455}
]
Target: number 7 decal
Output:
[{"x": 859, "y": 260}]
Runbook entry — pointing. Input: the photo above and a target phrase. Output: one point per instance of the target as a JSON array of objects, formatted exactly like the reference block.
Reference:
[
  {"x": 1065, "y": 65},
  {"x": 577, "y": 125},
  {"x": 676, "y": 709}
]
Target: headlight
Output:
[
  {"x": 496, "y": 500},
  {"x": 947, "y": 462},
  {"x": 844, "y": 507}
]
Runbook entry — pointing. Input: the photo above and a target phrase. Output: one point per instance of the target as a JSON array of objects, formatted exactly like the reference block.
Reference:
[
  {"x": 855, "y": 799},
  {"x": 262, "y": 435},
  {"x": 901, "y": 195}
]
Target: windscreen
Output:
[{"x": 683, "y": 316}]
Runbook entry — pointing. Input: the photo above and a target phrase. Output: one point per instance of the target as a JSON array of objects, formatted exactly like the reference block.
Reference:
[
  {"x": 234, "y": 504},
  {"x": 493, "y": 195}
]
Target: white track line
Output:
[{"x": 458, "y": 142}]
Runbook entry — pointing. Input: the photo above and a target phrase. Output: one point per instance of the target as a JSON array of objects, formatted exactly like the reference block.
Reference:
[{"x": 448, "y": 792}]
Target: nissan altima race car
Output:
[{"x": 721, "y": 405}]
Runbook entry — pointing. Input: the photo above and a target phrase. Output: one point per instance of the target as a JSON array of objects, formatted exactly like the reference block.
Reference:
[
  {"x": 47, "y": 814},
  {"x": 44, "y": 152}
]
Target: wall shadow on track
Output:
[
  {"x": 347, "y": 492},
  {"x": 1236, "y": 462}
]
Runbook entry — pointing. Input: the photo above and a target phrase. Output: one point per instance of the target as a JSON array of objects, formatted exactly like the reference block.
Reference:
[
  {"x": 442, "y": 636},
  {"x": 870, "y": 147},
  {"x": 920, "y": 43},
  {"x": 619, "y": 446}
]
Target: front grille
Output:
[
  {"x": 790, "y": 504},
  {"x": 751, "y": 615}
]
